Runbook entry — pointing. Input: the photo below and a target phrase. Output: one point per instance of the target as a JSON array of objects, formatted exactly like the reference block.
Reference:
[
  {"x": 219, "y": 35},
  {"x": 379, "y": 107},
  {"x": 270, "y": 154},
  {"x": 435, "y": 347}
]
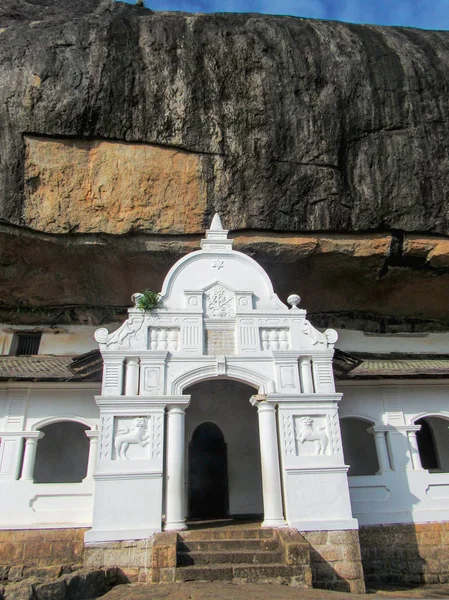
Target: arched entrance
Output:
[
  {"x": 207, "y": 473},
  {"x": 222, "y": 451}
]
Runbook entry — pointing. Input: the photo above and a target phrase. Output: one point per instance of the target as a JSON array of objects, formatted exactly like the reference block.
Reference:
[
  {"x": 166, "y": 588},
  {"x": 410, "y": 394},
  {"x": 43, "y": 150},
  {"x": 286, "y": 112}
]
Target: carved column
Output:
[
  {"x": 413, "y": 444},
  {"x": 174, "y": 499},
  {"x": 306, "y": 375},
  {"x": 269, "y": 457},
  {"x": 29, "y": 455},
  {"x": 92, "y": 434},
  {"x": 379, "y": 433},
  {"x": 132, "y": 377}
]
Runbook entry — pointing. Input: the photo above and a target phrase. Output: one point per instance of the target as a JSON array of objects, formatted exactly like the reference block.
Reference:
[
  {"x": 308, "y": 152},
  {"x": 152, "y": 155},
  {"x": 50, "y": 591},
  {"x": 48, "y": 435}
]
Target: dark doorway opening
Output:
[{"x": 208, "y": 473}]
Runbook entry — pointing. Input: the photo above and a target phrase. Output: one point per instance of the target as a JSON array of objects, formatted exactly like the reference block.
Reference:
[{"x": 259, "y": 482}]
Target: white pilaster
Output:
[
  {"x": 269, "y": 457},
  {"x": 29, "y": 456},
  {"x": 174, "y": 499},
  {"x": 306, "y": 375},
  {"x": 92, "y": 434},
  {"x": 379, "y": 433},
  {"x": 132, "y": 377}
]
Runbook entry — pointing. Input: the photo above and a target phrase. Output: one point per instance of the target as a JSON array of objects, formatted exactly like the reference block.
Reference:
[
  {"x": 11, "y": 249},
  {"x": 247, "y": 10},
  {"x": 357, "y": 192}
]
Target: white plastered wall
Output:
[
  {"x": 24, "y": 409},
  {"x": 407, "y": 493}
]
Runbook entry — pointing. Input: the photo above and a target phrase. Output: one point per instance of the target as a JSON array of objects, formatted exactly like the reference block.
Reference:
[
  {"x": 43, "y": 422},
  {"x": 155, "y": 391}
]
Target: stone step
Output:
[
  {"x": 228, "y": 545},
  {"x": 198, "y": 535},
  {"x": 275, "y": 573},
  {"x": 215, "y": 558}
]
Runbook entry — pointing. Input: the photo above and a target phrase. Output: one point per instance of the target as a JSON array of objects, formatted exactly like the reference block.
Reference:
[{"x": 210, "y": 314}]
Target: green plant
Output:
[{"x": 149, "y": 300}]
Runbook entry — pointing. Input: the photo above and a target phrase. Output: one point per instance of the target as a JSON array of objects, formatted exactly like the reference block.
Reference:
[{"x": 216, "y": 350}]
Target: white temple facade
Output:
[
  {"x": 220, "y": 321},
  {"x": 221, "y": 402}
]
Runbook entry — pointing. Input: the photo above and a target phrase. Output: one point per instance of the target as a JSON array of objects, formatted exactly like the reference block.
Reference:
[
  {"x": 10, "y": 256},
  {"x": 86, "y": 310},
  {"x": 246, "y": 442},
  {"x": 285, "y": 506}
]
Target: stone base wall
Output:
[
  {"x": 406, "y": 554},
  {"x": 34, "y": 547},
  {"x": 336, "y": 560},
  {"x": 133, "y": 557}
]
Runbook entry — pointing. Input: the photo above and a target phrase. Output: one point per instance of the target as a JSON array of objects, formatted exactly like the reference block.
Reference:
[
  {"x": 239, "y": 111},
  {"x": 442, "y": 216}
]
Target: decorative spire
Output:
[
  {"x": 216, "y": 237},
  {"x": 216, "y": 224}
]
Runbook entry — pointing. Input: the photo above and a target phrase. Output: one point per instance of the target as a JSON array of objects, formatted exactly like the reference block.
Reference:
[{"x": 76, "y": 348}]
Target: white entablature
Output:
[
  {"x": 217, "y": 303},
  {"x": 219, "y": 319}
]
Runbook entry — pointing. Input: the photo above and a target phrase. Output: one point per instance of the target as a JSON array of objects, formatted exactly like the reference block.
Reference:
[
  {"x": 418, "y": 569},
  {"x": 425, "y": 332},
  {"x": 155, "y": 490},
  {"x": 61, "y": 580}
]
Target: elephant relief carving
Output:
[
  {"x": 134, "y": 435},
  {"x": 306, "y": 432}
]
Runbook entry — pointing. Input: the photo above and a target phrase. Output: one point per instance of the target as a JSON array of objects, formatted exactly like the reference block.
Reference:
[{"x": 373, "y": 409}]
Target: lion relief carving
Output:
[
  {"x": 135, "y": 435},
  {"x": 307, "y": 432}
]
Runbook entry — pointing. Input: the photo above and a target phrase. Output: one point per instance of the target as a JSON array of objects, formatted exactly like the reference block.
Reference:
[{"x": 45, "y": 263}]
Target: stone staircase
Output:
[{"x": 238, "y": 555}]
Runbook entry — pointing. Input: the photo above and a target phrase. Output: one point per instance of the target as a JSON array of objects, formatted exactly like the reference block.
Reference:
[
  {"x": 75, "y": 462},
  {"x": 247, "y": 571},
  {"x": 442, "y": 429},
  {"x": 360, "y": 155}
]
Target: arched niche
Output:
[
  {"x": 358, "y": 446},
  {"x": 62, "y": 453},
  {"x": 433, "y": 442}
]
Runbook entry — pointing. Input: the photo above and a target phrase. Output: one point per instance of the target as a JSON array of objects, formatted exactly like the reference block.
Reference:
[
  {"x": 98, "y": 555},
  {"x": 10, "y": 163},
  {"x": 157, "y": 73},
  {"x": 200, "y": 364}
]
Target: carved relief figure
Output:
[
  {"x": 220, "y": 302},
  {"x": 135, "y": 435},
  {"x": 307, "y": 433}
]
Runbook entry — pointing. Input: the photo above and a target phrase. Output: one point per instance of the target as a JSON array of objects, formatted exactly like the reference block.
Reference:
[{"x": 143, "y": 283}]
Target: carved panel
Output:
[
  {"x": 113, "y": 376},
  {"x": 127, "y": 336},
  {"x": 289, "y": 435},
  {"x": 191, "y": 335},
  {"x": 335, "y": 433},
  {"x": 311, "y": 435},
  {"x": 219, "y": 303},
  {"x": 106, "y": 436},
  {"x": 323, "y": 375},
  {"x": 158, "y": 423},
  {"x": 15, "y": 410},
  {"x": 151, "y": 379},
  {"x": 8, "y": 455},
  {"x": 274, "y": 339},
  {"x": 248, "y": 336},
  {"x": 132, "y": 436},
  {"x": 287, "y": 376}
]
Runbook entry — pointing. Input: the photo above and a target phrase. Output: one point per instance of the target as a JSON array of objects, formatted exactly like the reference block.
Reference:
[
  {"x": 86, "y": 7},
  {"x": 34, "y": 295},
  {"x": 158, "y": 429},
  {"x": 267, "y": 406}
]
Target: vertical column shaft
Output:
[
  {"x": 381, "y": 448},
  {"x": 92, "y": 434},
  {"x": 306, "y": 375},
  {"x": 414, "y": 450},
  {"x": 174, "y": 500},
  {"x": 132, "y": 377},
  {"x": 29, "y": 455},
  {"x": 271, "y": 476}
]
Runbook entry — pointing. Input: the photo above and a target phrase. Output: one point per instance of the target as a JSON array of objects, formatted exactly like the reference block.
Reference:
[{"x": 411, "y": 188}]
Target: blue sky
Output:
[{"x": 429, "y": 14}]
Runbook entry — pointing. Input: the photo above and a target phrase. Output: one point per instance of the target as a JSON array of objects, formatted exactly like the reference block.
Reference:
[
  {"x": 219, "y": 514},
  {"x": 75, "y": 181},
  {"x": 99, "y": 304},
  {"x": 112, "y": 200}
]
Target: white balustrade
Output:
[
  {"x": 163, "y": 338},
  {"x": 274, "y": 339}
]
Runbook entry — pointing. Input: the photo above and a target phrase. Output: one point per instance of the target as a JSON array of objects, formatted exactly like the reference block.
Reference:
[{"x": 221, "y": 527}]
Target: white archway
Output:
[
  {"x": 259, "y": 382},
  {"x": 59, "y": 418},
  {"x": 220, "y": 319}
]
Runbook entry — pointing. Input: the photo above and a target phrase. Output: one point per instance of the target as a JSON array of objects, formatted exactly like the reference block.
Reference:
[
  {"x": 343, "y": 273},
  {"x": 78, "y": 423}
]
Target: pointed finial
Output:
[
  {"x": 216, "y": 237},
  {"x": 216, "y": 224}
]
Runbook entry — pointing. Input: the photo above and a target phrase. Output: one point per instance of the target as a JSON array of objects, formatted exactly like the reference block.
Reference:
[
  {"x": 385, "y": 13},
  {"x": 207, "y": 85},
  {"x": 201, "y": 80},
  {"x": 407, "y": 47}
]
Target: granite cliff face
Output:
[{"x": 323, "y": 145}]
